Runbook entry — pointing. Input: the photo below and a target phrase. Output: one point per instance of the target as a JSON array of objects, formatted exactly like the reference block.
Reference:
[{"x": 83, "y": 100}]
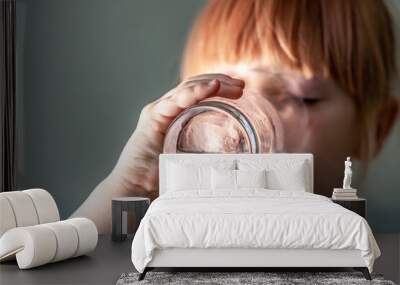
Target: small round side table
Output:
[{"x": 127, "y": 212}]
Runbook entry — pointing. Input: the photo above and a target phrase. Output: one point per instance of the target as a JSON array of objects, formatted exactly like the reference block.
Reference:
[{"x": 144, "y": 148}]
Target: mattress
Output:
[{"x": 250, "y": 219}]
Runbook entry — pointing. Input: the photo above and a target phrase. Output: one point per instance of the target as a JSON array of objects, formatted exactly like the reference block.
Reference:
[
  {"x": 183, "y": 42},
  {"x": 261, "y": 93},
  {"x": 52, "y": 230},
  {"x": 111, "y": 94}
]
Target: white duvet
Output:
[{"x": 251, "y": 218}]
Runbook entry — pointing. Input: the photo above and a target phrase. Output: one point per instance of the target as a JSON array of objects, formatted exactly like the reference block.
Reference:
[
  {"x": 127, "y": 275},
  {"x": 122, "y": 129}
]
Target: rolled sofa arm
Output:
[{"x": 45, "y": 243}]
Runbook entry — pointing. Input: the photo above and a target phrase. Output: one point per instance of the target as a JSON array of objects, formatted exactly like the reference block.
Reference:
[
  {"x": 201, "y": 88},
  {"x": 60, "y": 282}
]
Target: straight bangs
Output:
[
  {"x": 276, "y": 33},
  {"x": 351, "y": 42},
  {"x": 348, "y": 41}
]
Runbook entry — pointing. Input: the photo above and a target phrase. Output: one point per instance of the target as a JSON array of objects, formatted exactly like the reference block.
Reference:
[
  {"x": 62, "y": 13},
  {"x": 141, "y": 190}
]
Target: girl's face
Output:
[{"x": 326, "y": 125}]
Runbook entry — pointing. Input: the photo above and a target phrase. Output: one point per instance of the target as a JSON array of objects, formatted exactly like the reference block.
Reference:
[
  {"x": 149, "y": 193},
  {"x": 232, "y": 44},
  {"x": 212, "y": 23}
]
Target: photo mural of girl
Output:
[{"x": 335, "y": 59}]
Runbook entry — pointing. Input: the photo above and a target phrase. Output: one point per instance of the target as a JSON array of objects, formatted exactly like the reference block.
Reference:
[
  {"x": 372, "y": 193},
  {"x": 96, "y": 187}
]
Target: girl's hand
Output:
[
  {"x": 137, "y": 168},
  {"x": 136, "y": 172}
]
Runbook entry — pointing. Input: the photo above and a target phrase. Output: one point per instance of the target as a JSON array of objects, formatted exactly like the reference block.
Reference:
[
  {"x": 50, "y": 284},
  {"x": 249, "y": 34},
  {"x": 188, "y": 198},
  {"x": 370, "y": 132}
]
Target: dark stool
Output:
[{"x": 127, "y": 212}]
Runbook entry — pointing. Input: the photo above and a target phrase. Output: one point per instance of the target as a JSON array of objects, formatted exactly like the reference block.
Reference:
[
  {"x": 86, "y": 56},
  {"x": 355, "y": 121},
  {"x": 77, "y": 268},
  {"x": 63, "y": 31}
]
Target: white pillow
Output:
[
  {"x": 281, "y": 174},
  {"x": 223, "y": 179},
  {"x": 293, "y": 178},
  {"x": 251, "y": 178},
  {"x": 228, "y": 179},
  {"x": 181, "y": 177}
]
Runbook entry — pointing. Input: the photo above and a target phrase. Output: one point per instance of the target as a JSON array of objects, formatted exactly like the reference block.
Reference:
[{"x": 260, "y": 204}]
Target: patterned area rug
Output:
[{"x": 230, "y": 278}]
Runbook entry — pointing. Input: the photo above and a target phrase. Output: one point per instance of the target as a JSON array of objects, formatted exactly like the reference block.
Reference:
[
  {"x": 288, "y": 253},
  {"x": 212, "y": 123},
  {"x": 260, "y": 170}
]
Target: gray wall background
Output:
[{"x": 85, "y": 70}]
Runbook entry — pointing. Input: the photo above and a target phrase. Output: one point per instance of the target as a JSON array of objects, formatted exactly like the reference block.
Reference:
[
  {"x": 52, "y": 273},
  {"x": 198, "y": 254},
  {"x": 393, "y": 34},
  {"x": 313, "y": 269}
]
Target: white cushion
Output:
[
  {"x": 67, "y": 239},
  {"x": 228, "y": 179},
  {"x": 87, "y": 233},
  {"x": 7, "y": 218},
  {"x": 251, "y": 178},
  {"x": 290, "y": 175},
  {"x": 181, "y": 177},
  {"x": 46, "y": 207},
  {"x": 223, "y": 179},
  {"x": 293, "y": 179},
  {"x": 23, "y": 208}
]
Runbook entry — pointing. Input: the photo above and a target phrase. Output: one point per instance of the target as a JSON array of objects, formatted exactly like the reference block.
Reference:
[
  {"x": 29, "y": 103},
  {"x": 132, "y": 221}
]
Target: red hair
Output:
[{"x": 349, "y": 41}]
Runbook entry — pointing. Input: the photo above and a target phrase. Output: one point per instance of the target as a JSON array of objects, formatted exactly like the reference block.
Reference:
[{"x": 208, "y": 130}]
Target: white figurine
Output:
[{"x": 347, "y": 174}]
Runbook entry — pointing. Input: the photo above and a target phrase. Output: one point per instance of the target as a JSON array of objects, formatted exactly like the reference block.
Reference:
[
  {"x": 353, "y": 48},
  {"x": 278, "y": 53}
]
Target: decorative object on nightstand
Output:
[
  {"x": 357, "y": 205},
  {"x": 127, "y": 212},
  {"x": 347, "y": 192},
  {"x": 347, "y": 196}
]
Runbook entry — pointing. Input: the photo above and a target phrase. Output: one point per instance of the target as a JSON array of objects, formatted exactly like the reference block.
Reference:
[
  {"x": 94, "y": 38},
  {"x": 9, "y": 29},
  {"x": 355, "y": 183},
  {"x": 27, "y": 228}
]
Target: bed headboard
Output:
[{"x": 213, "y": 159}]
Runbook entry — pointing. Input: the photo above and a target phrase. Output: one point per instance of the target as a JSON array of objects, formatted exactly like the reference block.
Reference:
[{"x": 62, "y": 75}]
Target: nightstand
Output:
[
  {"x": 127, "y": 212},
  {"x": 358, "y": 206}
]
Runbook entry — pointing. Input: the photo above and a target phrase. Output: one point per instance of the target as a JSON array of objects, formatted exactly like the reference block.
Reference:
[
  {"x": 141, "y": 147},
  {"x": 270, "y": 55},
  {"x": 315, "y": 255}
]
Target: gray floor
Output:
[
  {"x": 389, "y": 262},
  {"x": 110, "y": 260}
]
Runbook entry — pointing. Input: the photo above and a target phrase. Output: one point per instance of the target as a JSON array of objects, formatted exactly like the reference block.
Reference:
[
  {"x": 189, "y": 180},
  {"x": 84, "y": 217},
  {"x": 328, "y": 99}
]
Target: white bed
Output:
[{"x": 198, "y": 222}]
